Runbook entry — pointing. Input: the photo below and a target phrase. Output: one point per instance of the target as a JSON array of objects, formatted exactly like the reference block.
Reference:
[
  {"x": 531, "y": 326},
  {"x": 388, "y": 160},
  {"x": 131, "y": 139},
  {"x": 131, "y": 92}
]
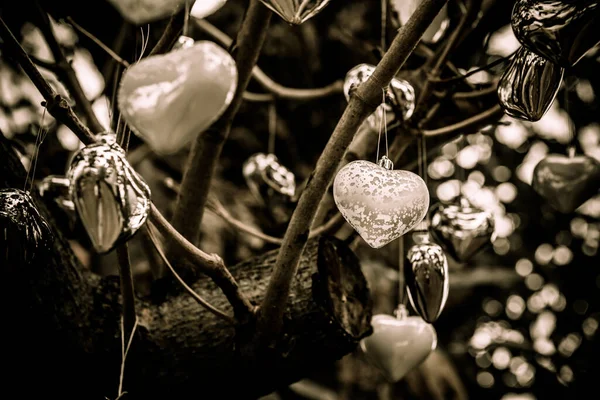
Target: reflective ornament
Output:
[
  {"x": 437, "y": 28},
  {"x": 561, "y": 31},
  {"x": 400, "y": 93},
  {"x": 461, "y": 229},
  {"x": 111, "y": 199},
  {"x": 566, "y": 182},
  {"x": 24, "y": 233},
  {"x": 380, "y": 203},
  {"x": 56, "y": 189},
  {"x": 529, "y": 85},
  {"x": 271, "y": 183},
  {"x": 398, "y": 345},
  {"x": 169, "y": 99},
  {"x": 295, "y": 12},
  {"x": 204, "y": 8},
  {"x": 426, "y": 276},
  {"x": 141, "y": 12}
]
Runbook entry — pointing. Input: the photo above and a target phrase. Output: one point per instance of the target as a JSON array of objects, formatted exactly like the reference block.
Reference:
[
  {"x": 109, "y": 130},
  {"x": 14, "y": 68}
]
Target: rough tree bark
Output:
[{"x": 62, "y": 330}]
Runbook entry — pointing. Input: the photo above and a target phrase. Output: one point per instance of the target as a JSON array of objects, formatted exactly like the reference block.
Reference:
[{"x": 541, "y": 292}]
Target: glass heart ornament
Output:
[
  {"x": 111, "y": 199},
  {"x": 400, "y": 93},
  {"x": 426, "y": 276},
  {"x": 24, "y": 233},
  {"x": 566, "y": 182},
  {"x": 295, "y": 12},
  {"x": 461, "y": 228},
  {"x": 203, "y": 8},
  {"x": 437, "y": 28},
  {"x": 398, "y": 344},
  {"x": 169, "y": 99},
  {"x": 561, "y": 31},
  {"x": 380, "y": 203},
  {"x": 140, "y": 12},
  {"x": 529, "y": 85}
]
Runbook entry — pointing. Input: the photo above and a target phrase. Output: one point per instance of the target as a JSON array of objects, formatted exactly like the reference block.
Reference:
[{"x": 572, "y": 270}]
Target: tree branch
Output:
[
  {"x": 362, "y": 103},
  {"x": 274, "y": 88},
  {"x": 170, "y": 34},
  {"x": 492, "y": 114},
  {"x": 211, "y": 264},
  {"x": 66, "y": 73},
  {"x": 206, "y": 150},
  {"x": 99, "y": 43},
  {"x": 57, "y": 106}
]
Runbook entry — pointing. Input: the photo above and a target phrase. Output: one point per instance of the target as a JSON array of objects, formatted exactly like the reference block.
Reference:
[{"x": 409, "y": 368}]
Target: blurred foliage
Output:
[{"x": 535, "y": 338}]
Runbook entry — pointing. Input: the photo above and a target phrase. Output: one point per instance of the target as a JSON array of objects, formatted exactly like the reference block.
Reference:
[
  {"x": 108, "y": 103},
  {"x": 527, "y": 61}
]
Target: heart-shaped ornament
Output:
[
  {"x": 400, "y": 94},
  {"x": 169, "y": 99},
  {"x": 24, "y": 233},
  {"x": 560, "y": 31},
  {"x": 141, "y": 12},
  {"x": 437, "y": 28},
  {"x": 426, "y": 276},
  {"x": 529, "y": 85},
  {"x": 295, "y": 12},
  {"x": 380, "y": 203},
  {"x": 111, "y": 199},
  {"x": 203, "y": 8},
  {"x": 566, "y": 182},
  {"x": 397, "y": 345},
  {"x": 461, "y": 229}
]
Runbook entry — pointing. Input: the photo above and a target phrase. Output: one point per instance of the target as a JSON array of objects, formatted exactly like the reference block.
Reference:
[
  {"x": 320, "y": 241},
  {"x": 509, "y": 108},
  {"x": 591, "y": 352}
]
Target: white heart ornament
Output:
[
  {"x": 169, "y": 99},
  {"x": 381, "y": 204},
  {"x": 397, "y": 345},
  {"x": 144, "y": 11}
]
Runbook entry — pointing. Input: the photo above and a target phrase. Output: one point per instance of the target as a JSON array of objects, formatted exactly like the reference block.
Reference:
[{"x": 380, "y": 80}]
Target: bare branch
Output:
[
  {"x": 98, "y": 42},
  {"x": 491, "y": 114},
  {"x": 170, "y": 34},
  {"x": 363, "y": 102}
]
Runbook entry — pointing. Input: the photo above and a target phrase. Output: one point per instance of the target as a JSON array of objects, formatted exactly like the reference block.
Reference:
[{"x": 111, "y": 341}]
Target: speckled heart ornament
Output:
[
  {"x": 381, "y": 204},
  {"x": 169, "y": 99},
  {"x": 398, "y": 345}
]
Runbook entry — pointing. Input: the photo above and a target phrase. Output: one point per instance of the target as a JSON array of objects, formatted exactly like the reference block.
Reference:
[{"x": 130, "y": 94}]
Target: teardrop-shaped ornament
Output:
[
  {"x": 529, "y": 85},
  {"x": 111, "y": 199},
  {"x": 24, "y": 233},
  {"x": 426, "y": 276},
  {"x": 400, "y": 95},
  {"x": 168, "y": 99},
  {"x": 296, "y": 12}
]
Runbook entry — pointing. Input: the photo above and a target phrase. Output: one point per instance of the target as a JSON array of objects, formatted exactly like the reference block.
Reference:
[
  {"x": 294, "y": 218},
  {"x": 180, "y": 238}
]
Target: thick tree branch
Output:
[
  {"x": 66, "y": 73},
  {"x": 363, "y": 102},
  {"x": 274, "y": 88},
  {"x": 206, "y": 150},
  {"x": 57, "y": 106}
]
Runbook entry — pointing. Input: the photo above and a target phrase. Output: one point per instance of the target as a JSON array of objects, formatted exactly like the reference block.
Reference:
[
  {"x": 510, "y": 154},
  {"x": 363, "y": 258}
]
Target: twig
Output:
[
  {"x": 491, "y": 114},
  {"x": 476, "y": 93},
  {"x": 170, "y": 34},
  {"x": 67, "y": 74},
  {"x": 50, "y": 66},
  {"x": 149, "y": 229},
  {"x": 273, "y": 87},
  {"x": 127, "y": 290},
  {"x": 211, "y": 264},
  {"x": 362, "y": 103},
  {"x": 98, "y": 42},
  {"x": 57, "y": 106},
  {"x": 206, "y": 150},
  {"x": 124, "y": 353}
]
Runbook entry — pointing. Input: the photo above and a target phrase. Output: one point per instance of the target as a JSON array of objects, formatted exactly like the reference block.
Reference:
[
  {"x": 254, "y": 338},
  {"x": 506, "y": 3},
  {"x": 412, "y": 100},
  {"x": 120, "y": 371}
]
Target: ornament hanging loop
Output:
[
  {"x": 386, "y": 163},
  {"x": 401, "y": 311}
]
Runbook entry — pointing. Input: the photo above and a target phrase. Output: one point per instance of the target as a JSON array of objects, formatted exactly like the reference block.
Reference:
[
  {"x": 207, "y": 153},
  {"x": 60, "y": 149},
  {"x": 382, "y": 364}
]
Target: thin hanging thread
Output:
[
  {"x": 272, "y": 127},
  {"x": 401, "y": 282},
  {"x": 384, "y": 26},
  {"x": 382, "y": 127},
  {"x": 39, "y": 139},
  {"x": 572, "y": 139}
]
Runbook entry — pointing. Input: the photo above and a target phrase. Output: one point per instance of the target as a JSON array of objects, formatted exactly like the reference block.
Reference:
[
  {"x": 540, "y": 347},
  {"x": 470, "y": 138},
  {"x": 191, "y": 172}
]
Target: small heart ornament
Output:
[
  {"x": 169, "y": 99},
  {"x": 461, "y": 229},
  {"x": 566, "y": 182},
  {"x": 426, "y": 276},
  {"x": 561, "y": 31},
  {"x": 398, "y": 345},
  {"x": 141, "y": 12},
  {"x": 111, "y": 199},
  {"x": 400, "y": 93},
  {"x": 529, "y": 85},
  {"x": 295, "y": 12},
  {"x": 24, "y": 233},
  {"x": 380, "y": 203}
]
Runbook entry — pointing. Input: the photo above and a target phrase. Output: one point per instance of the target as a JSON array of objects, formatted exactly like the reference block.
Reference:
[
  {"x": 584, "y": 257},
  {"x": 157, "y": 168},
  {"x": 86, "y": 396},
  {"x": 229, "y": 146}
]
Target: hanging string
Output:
[
  {"x": 401, "y": 281},
  {"x": 571, "y": 147},
  {"x": 272, "y": 127},
  {"x": 384, "y": 26},
  {"x": 39, "y": 139},
  {"x": 186, "y": 18},
  {"x": 382, "y": 126}
]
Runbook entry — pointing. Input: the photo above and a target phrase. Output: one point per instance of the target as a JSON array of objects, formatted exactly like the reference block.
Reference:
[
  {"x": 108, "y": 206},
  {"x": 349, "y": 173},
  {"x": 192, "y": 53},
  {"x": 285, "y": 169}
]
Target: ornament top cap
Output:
[
  {"x": 183, "y": 42},
  {"x": 386, "y": 163}
]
